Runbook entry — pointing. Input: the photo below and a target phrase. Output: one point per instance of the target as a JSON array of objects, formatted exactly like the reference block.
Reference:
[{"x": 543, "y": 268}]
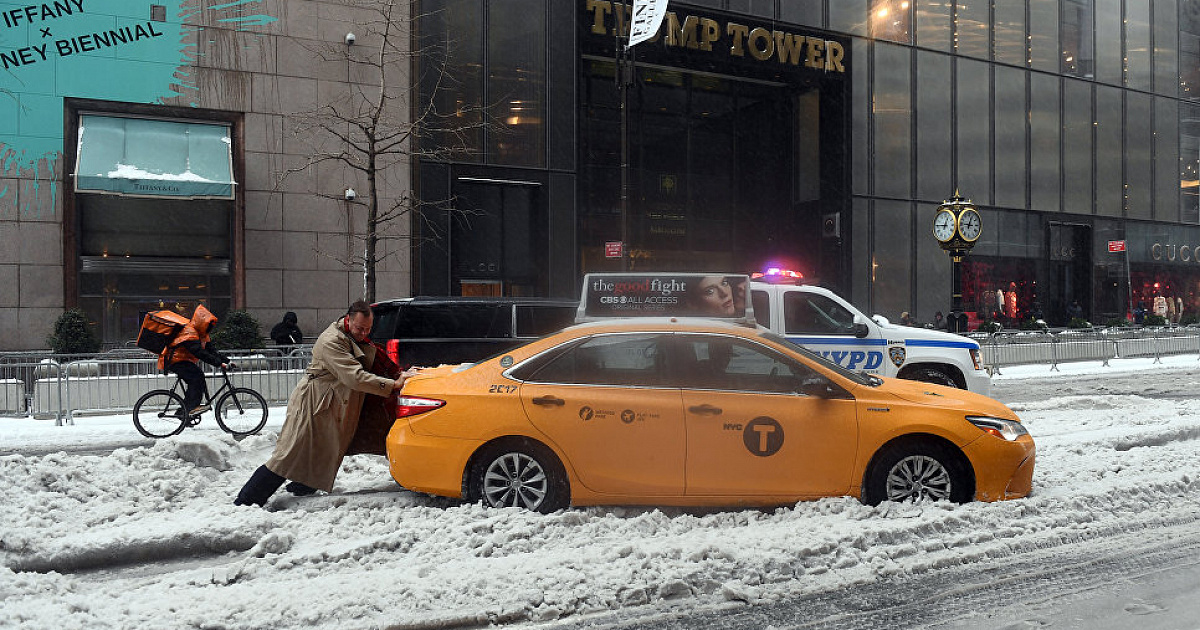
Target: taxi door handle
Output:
[
  {"x": 705, "y": 410},
  {"x": 549, "y": 400}
]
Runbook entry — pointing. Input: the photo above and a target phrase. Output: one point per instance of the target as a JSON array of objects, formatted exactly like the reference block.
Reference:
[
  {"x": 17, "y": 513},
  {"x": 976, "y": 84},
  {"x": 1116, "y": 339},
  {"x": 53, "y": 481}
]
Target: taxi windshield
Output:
[{"x": 862, "y": 378}]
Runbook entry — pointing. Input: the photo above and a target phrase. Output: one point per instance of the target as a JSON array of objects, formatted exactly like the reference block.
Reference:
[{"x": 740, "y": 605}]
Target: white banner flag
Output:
[{"x": 647, "y": 17}]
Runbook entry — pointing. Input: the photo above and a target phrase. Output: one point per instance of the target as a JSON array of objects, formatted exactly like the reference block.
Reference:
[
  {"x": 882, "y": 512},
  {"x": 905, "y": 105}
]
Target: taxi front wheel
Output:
[
  {"x": 917, "y": 471},
  {"x": 519, "y": 473}
]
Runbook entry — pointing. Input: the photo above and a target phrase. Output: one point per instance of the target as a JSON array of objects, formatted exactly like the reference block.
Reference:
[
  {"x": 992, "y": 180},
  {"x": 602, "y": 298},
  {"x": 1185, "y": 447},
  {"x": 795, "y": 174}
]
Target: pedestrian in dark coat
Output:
[
  {"x": 1074, "y": 311},
  {"x": 286, "y": 332},
  {"x": 323, "y": 411}
]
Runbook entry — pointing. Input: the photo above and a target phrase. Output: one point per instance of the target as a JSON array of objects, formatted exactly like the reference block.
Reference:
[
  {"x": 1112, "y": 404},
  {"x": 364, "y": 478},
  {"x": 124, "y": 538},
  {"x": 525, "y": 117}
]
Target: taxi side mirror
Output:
[{"x": 817, "y": 387}]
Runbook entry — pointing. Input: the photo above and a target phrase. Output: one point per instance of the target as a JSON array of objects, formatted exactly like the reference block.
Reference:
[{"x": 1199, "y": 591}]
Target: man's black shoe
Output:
[{"x": 299, "y": 489}]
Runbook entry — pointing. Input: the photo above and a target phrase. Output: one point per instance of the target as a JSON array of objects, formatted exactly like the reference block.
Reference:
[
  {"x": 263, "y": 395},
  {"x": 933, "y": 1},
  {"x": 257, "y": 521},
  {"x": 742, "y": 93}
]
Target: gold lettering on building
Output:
[
  {"x": 762, "y": 47},
  {"x": 709, "y": 33},
  {"x": 599, "y": 11},
  {"x": 738, "y": 32},
  {"x": 789, "y": 47},
  {"x": 701, "y": 33},
  {"x": 682, "y": 36}
]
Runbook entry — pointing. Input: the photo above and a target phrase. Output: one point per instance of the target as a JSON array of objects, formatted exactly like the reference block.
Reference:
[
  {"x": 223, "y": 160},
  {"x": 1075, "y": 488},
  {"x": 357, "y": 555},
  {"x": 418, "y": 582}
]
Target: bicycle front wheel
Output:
[
  {"x": 242, "y": 411},
  {"x": 159, "y": 414}
]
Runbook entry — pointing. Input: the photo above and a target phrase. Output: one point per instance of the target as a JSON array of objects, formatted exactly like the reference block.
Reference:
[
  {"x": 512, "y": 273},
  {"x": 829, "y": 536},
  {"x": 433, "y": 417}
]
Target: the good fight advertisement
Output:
[{"x": 665, "y": 295}]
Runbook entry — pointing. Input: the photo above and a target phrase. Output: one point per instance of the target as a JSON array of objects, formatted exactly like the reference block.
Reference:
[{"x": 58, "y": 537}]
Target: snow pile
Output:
[{"x": 147, "y": 537}]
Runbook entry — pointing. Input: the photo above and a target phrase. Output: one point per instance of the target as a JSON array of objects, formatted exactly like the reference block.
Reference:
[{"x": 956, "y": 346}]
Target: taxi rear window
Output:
[{"x": 620, "y": 359}]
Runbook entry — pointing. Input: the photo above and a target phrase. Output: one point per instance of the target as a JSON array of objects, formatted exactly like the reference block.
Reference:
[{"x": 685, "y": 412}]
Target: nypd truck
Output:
[
  {"x": 806, "y": 315},
  {"x": 823, "y": 322}
]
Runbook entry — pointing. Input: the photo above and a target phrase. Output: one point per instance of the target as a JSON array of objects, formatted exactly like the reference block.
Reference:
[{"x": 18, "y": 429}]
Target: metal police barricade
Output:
[
  {"x": 18, "y": 378},
  {"x": 272, "y": 374},
  {"x": 1178, "y": 340},
  {"x": 1081, "y": 344},
  {"x": 1017, "y": 347},
  {"x": 101, "y": 385},
  {"x": 1140, "y": 343}
]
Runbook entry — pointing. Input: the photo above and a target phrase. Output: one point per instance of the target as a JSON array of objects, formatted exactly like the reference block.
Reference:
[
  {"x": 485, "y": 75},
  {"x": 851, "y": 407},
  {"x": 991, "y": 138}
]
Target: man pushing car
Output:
[{"x": 323, "y": 411}]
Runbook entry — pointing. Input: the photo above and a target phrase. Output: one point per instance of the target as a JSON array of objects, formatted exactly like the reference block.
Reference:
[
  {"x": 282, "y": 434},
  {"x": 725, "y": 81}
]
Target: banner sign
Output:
[
  {"x": 607, "y": 295},
  {"x": 647, "y": 18}
]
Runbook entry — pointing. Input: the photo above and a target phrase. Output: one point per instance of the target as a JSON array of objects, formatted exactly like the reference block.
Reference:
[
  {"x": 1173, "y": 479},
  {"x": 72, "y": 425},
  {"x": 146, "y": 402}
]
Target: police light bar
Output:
[
  {"x": 665, "y": 294},
  {"x": 778, "y": 275}
]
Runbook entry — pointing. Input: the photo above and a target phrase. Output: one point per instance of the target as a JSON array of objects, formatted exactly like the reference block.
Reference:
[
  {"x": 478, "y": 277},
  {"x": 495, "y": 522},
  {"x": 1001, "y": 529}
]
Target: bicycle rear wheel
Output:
[
  {"x": 159, "y": 414},
  {"x": 242, "y": 411}
]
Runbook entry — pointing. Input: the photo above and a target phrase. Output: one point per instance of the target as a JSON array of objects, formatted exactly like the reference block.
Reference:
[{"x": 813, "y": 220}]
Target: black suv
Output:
[{"x": 429, "y": 331}]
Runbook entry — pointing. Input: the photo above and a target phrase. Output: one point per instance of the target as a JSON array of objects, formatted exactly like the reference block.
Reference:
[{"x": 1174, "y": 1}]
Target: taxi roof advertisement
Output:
[{"x": 667, "y": 294}]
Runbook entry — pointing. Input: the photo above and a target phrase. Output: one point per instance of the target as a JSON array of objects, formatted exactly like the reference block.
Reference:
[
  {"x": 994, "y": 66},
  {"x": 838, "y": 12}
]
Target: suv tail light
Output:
[
  {"x": 393, "y": 350},
  {"x": 408, "y": 406}
]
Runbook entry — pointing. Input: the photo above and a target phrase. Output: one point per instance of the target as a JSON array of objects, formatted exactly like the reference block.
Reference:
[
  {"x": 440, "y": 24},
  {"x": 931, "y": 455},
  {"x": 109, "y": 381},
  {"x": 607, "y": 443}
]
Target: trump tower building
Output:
[{"x": 822, "y": 135}]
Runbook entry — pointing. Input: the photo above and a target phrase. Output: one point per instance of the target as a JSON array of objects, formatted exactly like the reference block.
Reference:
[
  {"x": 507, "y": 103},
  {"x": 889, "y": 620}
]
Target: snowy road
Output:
[{"x": 145, "y": 537}]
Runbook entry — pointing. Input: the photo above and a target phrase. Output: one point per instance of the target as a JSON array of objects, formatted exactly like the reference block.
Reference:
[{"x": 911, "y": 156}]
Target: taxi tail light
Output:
[
  {"x": 393, "y": 350},
  {"x": 409, "y": 406}
]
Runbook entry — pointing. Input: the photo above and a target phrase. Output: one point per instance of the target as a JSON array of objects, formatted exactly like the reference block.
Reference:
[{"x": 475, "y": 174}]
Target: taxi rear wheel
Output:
[
  {"x": 918, "y": 471},
  {"x": 520, "y": 473}
]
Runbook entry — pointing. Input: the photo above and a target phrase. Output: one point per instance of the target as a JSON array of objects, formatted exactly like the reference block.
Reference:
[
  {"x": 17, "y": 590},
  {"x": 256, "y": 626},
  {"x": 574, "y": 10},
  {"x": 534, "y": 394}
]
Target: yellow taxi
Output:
[{"x": 695, "y": 412}]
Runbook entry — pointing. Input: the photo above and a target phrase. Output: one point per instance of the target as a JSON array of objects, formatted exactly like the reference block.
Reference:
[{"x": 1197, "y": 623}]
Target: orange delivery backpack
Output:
[{"x": 159, "y": 329}]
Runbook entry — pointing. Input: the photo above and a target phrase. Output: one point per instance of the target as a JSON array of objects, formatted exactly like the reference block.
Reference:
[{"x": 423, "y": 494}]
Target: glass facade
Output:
[{"x": 1069, "y": 123}]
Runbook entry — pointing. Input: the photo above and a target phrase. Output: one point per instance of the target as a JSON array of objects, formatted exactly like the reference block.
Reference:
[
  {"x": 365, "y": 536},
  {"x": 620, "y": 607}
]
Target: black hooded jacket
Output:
[{"x": 287, "y": 332}]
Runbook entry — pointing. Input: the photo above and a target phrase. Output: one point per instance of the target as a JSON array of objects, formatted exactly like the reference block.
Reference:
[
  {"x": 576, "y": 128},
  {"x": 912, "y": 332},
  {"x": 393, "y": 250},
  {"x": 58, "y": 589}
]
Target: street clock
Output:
[
  {"x": 969, "y": 224},
  {"x": 944, "y": 224},
  {"x": 957, "y": 225}
]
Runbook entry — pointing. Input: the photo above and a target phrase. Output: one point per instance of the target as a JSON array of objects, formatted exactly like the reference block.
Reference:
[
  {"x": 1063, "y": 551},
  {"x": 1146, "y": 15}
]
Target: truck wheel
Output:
[{"x": 937, "y": 376}]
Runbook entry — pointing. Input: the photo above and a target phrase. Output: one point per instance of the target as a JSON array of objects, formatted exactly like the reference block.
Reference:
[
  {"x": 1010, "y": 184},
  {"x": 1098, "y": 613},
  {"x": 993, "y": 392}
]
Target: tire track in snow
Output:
[{"x": 955, "y": 597}]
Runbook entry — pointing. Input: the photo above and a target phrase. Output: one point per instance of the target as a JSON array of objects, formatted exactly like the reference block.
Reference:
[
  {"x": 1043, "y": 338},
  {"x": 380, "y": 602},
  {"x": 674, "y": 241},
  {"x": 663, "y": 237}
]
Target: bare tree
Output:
[{"x": 382, "y": 124}]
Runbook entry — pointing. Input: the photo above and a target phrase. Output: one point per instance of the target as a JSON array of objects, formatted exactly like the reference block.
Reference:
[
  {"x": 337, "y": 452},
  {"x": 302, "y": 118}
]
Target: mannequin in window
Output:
[{"x": 1010, "y": 302}]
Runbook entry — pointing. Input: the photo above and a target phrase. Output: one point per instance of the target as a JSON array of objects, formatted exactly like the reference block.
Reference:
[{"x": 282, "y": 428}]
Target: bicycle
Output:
[{"x": 240, "y": 411}]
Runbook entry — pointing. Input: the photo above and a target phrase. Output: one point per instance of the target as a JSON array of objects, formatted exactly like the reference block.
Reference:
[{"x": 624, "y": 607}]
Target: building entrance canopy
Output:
[{"x": 153, "y": 158}]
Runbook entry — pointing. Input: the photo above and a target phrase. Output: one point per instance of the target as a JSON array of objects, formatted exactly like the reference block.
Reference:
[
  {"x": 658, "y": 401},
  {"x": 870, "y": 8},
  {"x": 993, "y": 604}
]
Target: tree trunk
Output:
[{"x": 372, "y": 235}]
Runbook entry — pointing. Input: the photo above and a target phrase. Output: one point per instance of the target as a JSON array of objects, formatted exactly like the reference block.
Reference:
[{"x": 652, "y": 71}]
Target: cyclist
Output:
[{"x": 183, "y": 355}]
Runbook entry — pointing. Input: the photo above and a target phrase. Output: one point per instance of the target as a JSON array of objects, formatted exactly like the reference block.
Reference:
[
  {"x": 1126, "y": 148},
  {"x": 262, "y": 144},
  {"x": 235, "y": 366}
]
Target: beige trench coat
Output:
[{"x": 323, "y": 409}]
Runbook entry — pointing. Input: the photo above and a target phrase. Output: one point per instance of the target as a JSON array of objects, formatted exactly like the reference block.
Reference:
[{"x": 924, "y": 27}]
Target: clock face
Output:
[
  {"x": 969, "y": 224},
  {"x": 943, "y": 225}
]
